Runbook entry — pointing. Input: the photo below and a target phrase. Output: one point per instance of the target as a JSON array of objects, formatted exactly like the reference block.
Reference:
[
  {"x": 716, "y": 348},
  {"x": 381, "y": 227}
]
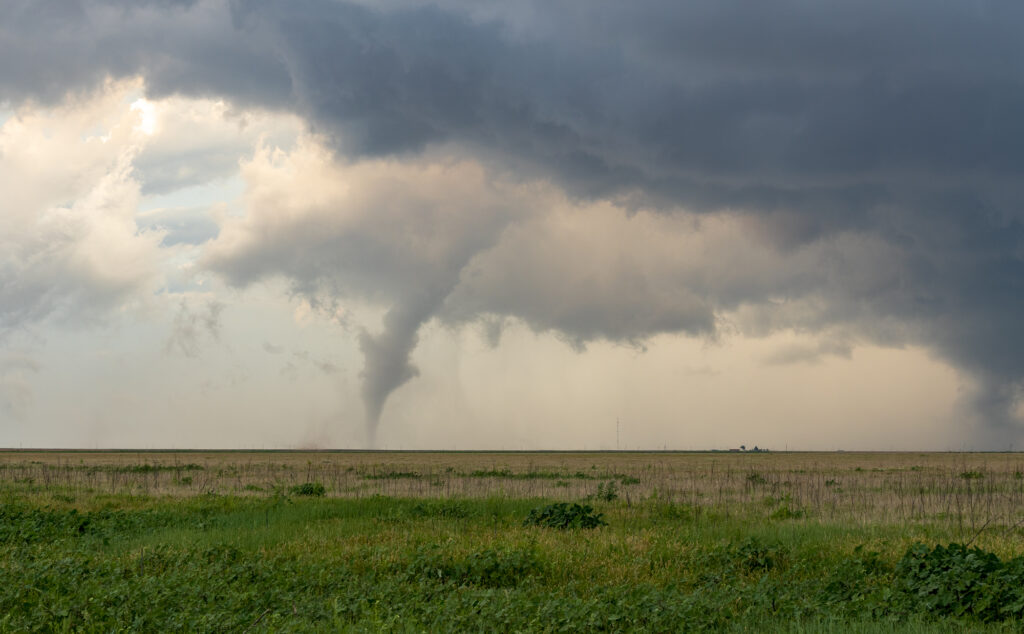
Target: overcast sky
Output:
[{"x": 509, "y": 225}]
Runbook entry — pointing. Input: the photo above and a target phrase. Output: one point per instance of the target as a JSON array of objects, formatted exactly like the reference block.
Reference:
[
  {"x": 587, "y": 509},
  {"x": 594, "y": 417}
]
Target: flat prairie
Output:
[
  {"x": 510, "y": 541},
  {"x": 851, "y": 486}
]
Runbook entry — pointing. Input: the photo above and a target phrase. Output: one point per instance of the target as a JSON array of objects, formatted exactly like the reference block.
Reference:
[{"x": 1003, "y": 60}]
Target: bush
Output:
[
  {"x": 311, "y": 489},
  {"x": 607, "y": 491},
  {"x": 752, "y": 555},
  {"x": 787, "y": 512},
  {"x": 563, "y": 515},
  {"x": 959, "y": 581}
]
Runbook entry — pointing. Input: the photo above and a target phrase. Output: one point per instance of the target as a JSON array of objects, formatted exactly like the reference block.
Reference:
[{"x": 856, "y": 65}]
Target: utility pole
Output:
[{"x": 617, "y": 433}]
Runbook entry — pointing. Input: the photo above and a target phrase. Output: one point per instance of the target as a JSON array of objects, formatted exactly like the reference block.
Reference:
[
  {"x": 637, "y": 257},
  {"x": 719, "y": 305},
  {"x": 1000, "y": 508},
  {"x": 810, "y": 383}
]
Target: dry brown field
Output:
[{"x": 967, "y": 489}]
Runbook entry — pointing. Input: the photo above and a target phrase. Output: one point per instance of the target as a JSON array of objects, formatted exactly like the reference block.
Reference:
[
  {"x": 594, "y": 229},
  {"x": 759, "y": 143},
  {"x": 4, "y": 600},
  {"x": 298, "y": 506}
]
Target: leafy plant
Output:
[
  {"x": 607, "y": 491},
  {"x": 310, "y": 489},
  {"x": 787, "y": 512},
  {"x": 958, "y": 580},
  {"x": 752, "y": 555},
  {"x": 563, "y": 515}
]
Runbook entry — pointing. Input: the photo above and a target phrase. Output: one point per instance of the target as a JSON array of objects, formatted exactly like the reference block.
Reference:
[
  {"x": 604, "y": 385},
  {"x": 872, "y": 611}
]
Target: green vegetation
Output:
[
  {"x": 564, "y": 516},
  {"x": 306, "y": 555},
  {"x": 309, "y": 489}
]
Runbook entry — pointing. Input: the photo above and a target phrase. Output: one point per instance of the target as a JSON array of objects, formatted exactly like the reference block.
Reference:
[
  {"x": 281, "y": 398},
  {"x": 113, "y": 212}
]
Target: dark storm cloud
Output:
[
  {"x": 899, "y": 121},
  {"x": 57, "y": 47},
  {"x": 739, "y": 101}
]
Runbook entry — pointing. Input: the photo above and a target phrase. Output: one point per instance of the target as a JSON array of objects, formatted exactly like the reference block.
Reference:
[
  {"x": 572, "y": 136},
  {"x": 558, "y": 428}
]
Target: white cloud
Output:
[{"x": 68, "y": 240}]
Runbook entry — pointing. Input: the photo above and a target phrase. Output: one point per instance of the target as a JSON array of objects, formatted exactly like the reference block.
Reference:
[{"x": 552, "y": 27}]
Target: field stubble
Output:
[{"x": 966, "y": 491}]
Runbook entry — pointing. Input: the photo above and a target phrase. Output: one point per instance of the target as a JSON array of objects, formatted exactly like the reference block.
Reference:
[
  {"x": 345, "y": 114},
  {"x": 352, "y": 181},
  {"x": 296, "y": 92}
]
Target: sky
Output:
[{"x": 512, "y": 225}]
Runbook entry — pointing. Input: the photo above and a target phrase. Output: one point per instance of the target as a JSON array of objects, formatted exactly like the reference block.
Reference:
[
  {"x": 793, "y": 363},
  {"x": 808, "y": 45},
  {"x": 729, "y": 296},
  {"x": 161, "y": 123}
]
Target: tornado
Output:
[{"x": 387, "y": 363}]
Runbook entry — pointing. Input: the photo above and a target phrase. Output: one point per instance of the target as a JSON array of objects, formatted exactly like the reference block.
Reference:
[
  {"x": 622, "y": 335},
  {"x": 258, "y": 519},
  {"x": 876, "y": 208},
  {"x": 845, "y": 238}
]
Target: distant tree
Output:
[{"x": 743, "y": 447}]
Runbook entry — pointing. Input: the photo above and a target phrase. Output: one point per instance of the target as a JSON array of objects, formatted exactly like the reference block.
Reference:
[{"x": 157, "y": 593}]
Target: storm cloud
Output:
[{"x": 856, "y": 164}]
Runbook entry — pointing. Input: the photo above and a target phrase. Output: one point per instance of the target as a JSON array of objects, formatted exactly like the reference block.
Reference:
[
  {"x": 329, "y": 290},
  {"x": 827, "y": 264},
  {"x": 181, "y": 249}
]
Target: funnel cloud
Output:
[{"x": 387, "y": 356}]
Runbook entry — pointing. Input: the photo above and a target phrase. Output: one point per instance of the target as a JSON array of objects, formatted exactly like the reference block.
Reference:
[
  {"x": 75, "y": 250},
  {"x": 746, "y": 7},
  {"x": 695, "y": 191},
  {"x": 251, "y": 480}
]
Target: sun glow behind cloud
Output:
[{"x": 147, "y": 116}]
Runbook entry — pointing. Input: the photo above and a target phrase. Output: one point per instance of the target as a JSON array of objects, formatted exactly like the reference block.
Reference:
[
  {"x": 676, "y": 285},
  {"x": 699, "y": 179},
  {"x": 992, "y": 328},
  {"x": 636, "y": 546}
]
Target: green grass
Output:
[
  {"x": 442, "y": 543},
  {"x": 286, "y": 562}
]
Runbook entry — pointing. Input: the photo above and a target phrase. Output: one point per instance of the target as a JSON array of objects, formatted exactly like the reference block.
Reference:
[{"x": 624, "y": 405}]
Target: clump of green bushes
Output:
[
  {"x": 957, "y": 581},
  {"x": 961, "y": 581},
  {"x": 309, "y": 489},
  {"x": 607, "y": 492},
  {"x": 563, "y": 515}
]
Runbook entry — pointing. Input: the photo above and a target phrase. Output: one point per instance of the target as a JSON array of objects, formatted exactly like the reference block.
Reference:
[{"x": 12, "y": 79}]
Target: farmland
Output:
[{"x": 370, "y": 541}]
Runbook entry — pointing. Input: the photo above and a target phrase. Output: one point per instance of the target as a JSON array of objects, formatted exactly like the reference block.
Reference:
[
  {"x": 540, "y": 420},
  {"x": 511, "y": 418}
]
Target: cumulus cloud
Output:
[
  {"x": 69, "y": 246},
  {"x": 196, "y": 141}
]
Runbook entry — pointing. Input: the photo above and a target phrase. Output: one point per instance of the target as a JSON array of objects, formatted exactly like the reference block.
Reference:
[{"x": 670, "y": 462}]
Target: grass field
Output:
[{"x": 368, "y": 541}]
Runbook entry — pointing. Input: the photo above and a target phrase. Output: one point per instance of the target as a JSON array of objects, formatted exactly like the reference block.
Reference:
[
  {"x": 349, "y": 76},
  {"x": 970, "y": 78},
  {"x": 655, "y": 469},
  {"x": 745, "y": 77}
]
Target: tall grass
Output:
[{"x": 967, "y": 492}]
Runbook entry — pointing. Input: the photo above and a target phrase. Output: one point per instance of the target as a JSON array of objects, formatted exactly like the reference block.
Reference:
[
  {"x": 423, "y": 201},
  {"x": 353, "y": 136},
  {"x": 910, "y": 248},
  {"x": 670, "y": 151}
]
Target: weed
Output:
[
  {"x": 755, "y": 479},
  {"x": 959, "y": 581},
  {"x": 310, "y": 489},
  {"x": 787, "y": 512},
  {"x": 393, "y": 475},
  {"x": 563, "y": 516},
  {"x": 607, "y": 492}
]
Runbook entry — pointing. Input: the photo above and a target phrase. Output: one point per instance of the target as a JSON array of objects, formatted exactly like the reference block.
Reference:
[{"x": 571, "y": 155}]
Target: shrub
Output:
[
  {"x": 787, "y": 512},
  {"x": 607, "y": 491},
  {"x": 753, "y": 556},
  {"x": 959, "y": 581},
  {"x": 563, "y": 515},
  {"x": 311, "y": 489}
]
